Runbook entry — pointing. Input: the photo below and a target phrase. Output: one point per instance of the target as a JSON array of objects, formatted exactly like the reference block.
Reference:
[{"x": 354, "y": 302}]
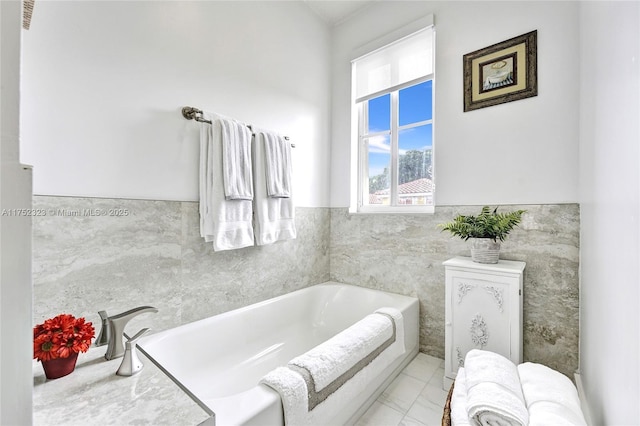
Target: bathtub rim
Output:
[
  {"x": 161, "y": 335},
  {"x": 158, "y": 336}
]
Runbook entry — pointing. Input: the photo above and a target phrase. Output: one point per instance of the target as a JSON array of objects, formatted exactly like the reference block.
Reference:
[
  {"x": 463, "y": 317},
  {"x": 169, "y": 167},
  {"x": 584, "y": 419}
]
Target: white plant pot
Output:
[{"x": 485, "y": 250}]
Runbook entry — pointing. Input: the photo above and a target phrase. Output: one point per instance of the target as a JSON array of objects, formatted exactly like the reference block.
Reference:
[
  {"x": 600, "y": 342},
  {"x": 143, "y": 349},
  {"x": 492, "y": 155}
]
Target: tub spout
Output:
[{"x": 117, "y": 323}]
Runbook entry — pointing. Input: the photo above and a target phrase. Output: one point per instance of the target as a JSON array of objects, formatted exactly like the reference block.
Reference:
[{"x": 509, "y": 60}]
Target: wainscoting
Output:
[
  {"x": 94, "y": 254},
  {"x": 153, "y": 255},
  {"x": 404, "y": 254}
]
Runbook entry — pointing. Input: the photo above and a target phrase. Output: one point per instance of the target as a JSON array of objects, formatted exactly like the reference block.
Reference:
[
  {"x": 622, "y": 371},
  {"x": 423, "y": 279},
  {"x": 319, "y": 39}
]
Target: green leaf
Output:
[{"x": 488, "y": 224}]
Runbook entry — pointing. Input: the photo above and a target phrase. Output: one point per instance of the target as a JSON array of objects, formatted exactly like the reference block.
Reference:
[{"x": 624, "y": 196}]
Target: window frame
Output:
[
  {"x": 355, "y": 167},
  {"x": 362, "y": 135}
]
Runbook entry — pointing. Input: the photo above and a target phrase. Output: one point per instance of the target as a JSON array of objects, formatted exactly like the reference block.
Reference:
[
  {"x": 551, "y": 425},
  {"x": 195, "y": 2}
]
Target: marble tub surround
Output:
[
  {"x": 151, "y": 253},
  {"x": 93, "y": 394},
  {"x": 231, "y": 279},
  {"x": 84, "y": 264},
  {"x": 404, "y": 254}
]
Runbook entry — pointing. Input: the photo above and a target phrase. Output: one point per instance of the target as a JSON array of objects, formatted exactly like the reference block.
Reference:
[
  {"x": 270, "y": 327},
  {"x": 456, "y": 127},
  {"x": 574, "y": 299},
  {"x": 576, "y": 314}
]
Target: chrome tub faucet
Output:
[{"x": 116, "y": 324}]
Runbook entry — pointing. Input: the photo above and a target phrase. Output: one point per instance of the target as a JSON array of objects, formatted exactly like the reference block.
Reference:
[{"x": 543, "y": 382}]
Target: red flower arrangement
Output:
[{"x": 60, "y": 337}]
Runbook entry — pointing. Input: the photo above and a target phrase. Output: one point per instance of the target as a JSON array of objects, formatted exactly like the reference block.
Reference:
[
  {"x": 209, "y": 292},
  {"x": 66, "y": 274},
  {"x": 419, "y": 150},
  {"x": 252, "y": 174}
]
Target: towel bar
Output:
[{"x": 191, "y": 113}]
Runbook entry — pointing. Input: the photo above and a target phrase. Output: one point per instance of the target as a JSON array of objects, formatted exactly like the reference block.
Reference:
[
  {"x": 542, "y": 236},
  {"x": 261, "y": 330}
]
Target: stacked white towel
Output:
[
  {"x": 459, "y": 414},
  {"x": 550, "y": 396},
  {"x": 225, "y": 223},
  {"x": 236, "y": 160},
  {"x": 494, "y": 393},
  {"x": 488, "y": 391},
  {"x": 274, "y": 217},
  {"x": 330, "y": 362}
]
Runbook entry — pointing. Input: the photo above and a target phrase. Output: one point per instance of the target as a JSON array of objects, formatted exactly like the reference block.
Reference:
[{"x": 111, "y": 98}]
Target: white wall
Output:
[
  {"x": 103, "y": 84},
  {"x": 523, "y": 152},
  {"x": 16, "y": 346},
  {"x": 610, "y": 211}
]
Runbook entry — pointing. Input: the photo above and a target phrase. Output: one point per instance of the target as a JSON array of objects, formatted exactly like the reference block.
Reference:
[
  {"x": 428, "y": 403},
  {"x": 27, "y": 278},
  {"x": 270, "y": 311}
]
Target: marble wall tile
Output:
[
  {"x": 83, "y": 264},
  {"x": 154, "y": 256},
  {"x": 404, "y": 254},
  {"x": 217, "y": 282}
]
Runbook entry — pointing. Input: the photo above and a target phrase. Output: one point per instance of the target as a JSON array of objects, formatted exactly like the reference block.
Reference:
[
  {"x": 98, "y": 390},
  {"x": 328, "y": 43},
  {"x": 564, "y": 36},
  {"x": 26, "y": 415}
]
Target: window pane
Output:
[
  {"x": 416, "y": 103},
  {"x": 415, "y": 185},
  {"x": 379, "y": 163},
  {"x": 380, "y": 114}
]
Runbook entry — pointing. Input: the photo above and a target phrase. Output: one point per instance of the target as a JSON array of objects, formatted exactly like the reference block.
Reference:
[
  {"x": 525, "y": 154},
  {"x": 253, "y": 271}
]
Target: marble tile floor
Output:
[{"x": 414, "y": 398}]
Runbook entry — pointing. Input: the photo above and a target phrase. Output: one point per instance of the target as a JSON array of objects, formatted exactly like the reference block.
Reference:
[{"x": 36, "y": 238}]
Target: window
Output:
[{"x": 393, "y": 100}]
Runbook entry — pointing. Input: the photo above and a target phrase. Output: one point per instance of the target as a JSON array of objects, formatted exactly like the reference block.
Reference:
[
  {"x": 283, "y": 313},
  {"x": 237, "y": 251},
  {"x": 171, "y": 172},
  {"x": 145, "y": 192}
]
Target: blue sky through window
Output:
[
  {"x": 418, "y": 138},
  {"x": 415, "y": 105},
  {"x": 380, "y": 114}
]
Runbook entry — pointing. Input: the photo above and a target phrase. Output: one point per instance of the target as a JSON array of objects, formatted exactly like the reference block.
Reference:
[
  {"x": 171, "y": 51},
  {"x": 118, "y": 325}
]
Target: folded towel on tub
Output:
[
  {"x": 293, "y": 394},
  {"x": 322, "y": 382},
  {"x": 551, "y": 397},
  {"x": 494, "y": 393},
  {"x": 329, "y": 360},
  {"x": 225, "y": 223}
]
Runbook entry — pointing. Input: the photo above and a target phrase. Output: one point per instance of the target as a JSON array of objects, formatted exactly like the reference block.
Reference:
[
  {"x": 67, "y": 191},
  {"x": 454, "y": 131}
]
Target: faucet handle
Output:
[
  {"x": 103, "y": 336},
  {"x": 131, "y": 364},
  {"x": 133, "y": 340}
]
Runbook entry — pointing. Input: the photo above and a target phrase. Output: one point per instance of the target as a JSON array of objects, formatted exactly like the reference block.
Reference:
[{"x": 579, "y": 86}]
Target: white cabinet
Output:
[{"x": 483, "y": 310}]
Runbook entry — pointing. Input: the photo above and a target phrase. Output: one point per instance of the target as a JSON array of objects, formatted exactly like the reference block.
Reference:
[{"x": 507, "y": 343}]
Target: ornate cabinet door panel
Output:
[
  {"x": 480, "y": 316},
  {"x": 483, "y": 311}
]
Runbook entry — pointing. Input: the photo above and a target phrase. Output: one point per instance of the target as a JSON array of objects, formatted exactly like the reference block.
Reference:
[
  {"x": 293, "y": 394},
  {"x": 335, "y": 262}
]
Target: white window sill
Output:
[{"x": 394, "y": 210}]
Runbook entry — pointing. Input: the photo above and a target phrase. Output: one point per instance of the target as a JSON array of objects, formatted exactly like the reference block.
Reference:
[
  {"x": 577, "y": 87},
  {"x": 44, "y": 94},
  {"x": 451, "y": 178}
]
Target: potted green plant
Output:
[{"x": 486, "y": 231}]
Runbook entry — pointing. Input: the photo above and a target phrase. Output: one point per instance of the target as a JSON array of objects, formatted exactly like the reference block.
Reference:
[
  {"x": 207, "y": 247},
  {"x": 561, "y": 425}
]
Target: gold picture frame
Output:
[{"x": 503, "y": 72}]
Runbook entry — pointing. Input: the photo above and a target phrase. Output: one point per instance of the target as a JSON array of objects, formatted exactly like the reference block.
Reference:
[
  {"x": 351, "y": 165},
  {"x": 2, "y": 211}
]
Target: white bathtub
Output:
[{"x": 219, "y": 360}]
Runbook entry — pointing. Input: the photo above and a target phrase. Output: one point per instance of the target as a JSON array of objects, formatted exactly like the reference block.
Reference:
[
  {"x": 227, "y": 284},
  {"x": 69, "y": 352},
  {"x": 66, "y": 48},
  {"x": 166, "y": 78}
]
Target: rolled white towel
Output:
[
  {"x": 550, "y": 396},
  {"x": 494, "y": 393},
  {"x": 459, "y": 414}
]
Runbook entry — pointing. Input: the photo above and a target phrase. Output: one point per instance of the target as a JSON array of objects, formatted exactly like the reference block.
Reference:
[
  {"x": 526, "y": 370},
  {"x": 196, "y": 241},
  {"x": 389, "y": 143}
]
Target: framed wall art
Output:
[{"x": 500, "y": 73}]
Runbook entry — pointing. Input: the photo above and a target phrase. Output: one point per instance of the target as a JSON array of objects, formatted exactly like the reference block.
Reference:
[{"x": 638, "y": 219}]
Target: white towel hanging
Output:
[
  {"x": 277, "y": 154},
  {"x": 274, "y": 217},
  {"x": 225, "y": 223}
]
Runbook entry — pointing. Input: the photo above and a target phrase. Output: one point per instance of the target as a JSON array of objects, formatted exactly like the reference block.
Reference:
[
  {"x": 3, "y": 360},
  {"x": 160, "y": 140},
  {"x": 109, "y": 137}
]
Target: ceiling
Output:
[{"x": 334, "y": 12}]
